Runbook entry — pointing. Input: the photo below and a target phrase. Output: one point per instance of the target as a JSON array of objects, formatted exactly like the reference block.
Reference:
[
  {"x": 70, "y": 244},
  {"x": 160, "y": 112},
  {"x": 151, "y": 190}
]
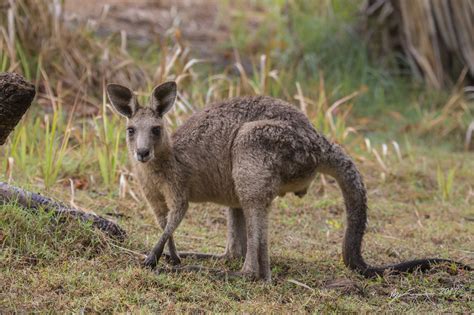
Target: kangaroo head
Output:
[{"x": 146, "y": 134}]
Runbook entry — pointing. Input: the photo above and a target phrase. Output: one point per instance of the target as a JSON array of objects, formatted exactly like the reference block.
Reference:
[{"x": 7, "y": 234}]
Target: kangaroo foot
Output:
[
  {"x": 255, "y": 273},
  {"x": 150, "y": 261},
  {"x": 172, "y": 259}
]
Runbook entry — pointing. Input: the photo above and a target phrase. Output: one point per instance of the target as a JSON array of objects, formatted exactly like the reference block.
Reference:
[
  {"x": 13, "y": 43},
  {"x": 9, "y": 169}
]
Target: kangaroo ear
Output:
[
  {"x": 163, "y": 97},
  {"x": 122, "y": 99}
]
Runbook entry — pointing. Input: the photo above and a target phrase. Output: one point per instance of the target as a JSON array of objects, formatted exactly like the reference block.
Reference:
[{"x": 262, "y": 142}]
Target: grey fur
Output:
[{"x": 240, "y": 153}]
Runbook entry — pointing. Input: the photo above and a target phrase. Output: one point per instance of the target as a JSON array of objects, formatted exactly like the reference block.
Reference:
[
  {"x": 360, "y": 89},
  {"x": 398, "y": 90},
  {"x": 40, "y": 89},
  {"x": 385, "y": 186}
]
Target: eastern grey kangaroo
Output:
[{"x": 240, "y": 153}]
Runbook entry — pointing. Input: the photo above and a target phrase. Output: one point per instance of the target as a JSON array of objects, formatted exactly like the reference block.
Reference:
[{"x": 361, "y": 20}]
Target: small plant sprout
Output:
[
  {"x": 379, "y": 160},
  {"x": 303, "y": 105},
  {"x": 368, "y": 146},
  {"x": 73, "y": 194},
  {"x": 469, "y": 143},
  {"x": 123, "y": 186},
  {"x": 445, "y": 182},
  {"x": 396, "y": 146},
  {"x": 9, "y": 172},
  {"x": 384, "y": 150}
]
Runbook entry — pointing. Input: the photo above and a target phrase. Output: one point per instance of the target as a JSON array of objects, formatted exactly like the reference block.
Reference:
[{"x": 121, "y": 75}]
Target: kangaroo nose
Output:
[{"x": 143, "y": 155}]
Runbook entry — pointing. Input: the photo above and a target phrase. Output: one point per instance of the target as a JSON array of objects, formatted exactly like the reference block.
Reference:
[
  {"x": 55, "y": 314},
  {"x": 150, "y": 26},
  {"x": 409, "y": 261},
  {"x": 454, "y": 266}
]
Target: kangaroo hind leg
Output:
[
  {"x": 236, "y": 246},
  {"x": 256, "y": 194}
]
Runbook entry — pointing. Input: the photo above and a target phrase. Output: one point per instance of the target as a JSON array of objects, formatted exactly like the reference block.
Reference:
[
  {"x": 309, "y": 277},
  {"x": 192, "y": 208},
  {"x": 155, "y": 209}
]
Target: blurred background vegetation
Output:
[{"x": 342, "y": 62}]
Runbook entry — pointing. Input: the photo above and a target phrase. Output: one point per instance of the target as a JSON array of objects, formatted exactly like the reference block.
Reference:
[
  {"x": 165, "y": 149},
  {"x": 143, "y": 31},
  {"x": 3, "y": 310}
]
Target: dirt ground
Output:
[{"x": 196, "y": 24}]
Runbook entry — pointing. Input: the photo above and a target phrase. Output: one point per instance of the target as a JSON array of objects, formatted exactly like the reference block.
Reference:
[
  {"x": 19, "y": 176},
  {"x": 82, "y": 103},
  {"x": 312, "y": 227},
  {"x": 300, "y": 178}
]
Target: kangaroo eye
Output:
[
  {"x": 156, "y": 131},
  {"x": 130, "y": 131}
]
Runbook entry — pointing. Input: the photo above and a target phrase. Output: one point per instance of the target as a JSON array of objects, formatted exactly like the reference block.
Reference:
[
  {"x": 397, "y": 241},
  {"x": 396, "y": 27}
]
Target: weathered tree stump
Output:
[{"x": 16, "y": 95}]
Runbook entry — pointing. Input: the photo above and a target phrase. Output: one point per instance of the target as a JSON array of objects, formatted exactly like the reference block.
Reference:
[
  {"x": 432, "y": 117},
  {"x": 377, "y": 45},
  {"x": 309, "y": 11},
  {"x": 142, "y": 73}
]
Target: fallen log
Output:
[
  {"x": 33, "y": 201},
  {"x": 16, "y": 96}
]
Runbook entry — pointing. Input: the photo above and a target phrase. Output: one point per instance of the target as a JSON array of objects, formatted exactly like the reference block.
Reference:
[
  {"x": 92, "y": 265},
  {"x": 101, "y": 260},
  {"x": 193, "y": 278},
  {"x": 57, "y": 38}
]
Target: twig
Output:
[
  {"x": 301, "y": 284},
  {"x": 138, "y": 254}
]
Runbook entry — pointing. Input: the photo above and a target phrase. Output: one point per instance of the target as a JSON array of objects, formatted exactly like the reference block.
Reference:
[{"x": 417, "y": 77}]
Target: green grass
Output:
[
  {"x": 47, "y": 265},
  {"x": 39, "y": 145}
]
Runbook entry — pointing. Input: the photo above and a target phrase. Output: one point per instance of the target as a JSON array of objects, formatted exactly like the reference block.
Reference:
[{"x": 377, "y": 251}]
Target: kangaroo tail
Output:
[{"x": 340, "y": 166}]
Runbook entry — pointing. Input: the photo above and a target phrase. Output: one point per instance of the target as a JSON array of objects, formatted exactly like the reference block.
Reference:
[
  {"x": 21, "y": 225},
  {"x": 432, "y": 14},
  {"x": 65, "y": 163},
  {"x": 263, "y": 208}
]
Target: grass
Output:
[
  {"x": 445, "y": 183},
  {"x": 108, "y": 149},
  {"x": 69, "y": 267},
  {"x": 418, "y": 178}
]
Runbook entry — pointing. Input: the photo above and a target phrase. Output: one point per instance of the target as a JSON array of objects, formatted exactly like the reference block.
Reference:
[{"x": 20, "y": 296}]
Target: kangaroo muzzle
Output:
[{"x": 143, "y": 155}]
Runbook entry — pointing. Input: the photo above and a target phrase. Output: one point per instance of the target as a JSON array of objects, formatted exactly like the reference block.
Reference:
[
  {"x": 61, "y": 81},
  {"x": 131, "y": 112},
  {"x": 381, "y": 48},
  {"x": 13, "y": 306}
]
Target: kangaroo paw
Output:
[
  {"x": 172, "y": 259},
  {"x": 150, "y": 261}
]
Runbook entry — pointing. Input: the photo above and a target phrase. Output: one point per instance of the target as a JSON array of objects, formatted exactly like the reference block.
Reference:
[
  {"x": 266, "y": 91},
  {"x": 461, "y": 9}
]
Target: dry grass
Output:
[
  {"x": 51, "y": 266},
  {"x": 436, "y": 37}
]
